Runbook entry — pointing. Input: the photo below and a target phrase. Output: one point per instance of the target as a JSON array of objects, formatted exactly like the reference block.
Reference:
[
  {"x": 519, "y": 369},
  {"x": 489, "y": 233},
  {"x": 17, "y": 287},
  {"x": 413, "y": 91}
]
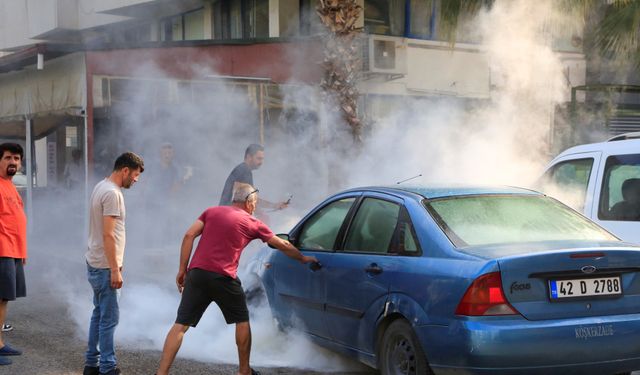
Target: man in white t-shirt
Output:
[{"x": 104, "y": 261}]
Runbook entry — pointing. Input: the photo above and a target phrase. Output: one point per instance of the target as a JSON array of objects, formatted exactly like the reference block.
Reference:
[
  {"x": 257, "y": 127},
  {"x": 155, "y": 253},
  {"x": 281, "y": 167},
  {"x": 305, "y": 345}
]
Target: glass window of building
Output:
[
  {"x": 309, "y": 21},
  {"x": 185, "y": 26},
  {"x": 171, "y": 28},
  {"x": 385, "y": 17},
  {"x": 194, "y": 25},
  {"x": 236, "y": 19},
  {"x": 422, "y": 19},
  {"x": 255, "y": 18}
]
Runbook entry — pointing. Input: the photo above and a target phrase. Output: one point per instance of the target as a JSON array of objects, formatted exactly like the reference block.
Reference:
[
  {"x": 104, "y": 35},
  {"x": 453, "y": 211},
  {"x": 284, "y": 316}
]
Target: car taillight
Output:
[{"x": 485, "y": 297}]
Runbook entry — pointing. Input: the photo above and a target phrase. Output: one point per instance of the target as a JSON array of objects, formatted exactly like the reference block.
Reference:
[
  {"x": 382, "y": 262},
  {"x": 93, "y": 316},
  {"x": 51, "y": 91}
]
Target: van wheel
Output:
[{"x": 401, "y": 352}]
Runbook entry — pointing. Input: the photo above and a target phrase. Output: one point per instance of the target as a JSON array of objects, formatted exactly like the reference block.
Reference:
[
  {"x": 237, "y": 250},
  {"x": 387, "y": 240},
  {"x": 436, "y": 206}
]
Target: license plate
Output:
[{"x": 603, "y": 286}]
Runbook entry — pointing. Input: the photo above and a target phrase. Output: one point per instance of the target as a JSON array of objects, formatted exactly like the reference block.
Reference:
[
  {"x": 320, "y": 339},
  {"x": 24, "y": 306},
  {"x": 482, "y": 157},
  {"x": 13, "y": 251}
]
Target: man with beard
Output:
[
  {"x": 104, "y": 261},
  {"x": 13, "y": 239}
]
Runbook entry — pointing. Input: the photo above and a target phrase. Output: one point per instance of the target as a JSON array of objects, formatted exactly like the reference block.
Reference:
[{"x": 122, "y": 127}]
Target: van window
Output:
[
  {"x": 567, "y": 181},
  {"x": 620, "y": 197}
]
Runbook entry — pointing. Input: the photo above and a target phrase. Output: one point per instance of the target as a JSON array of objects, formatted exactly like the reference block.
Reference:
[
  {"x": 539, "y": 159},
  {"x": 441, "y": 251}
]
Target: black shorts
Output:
[
  {"x": 12, "y": 284},
  {"x": 203, "y": 287}
]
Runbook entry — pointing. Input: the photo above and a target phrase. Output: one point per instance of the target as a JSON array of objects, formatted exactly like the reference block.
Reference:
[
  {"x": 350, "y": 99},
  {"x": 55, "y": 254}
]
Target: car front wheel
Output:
[{"x": 401, "y": 353}]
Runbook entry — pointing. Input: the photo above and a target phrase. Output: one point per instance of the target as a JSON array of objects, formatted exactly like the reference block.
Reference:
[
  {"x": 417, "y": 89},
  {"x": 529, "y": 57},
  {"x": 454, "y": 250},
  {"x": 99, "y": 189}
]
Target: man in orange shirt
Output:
[{"x": 13, "y": 238}]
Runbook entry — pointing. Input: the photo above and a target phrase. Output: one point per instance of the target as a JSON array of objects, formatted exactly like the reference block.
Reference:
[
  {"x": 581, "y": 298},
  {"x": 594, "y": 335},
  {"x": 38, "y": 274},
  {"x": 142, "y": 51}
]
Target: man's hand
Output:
[
  {"x": 307, "y": 259},
  {"x": 24, "y": 261},
  {"x": 290, "y": 250},
  {"x": 116, "y": 279},
  {"x": 180, "y": 280}
]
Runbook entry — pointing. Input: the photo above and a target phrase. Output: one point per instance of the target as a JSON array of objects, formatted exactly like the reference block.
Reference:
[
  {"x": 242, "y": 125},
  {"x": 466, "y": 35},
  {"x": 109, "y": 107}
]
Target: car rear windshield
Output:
[{"x": 495, "y": 219}]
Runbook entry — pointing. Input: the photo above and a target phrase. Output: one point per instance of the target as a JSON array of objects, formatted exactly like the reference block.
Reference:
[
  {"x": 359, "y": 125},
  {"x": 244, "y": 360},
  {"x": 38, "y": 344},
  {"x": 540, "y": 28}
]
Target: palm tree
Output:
[{"x": 342, "y": 58}]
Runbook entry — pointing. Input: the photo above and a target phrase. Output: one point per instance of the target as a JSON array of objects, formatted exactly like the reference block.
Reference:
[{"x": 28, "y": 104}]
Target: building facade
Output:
[{"x": 72, "y": 72}]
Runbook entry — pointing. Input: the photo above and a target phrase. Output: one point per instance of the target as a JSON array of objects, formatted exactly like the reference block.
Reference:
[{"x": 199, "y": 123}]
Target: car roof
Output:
[
  {"x": 441, "y": 191},
  {"x": 619, "y": 145}
]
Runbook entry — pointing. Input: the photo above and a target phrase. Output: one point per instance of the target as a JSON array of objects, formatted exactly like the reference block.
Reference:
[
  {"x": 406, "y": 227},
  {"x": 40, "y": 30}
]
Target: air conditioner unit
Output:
[{"x": 385, "y": 55}]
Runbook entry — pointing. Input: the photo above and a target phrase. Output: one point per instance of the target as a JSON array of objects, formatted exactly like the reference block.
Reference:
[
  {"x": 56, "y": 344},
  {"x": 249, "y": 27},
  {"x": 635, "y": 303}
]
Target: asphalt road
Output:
[{"x": 50, "y": 325}]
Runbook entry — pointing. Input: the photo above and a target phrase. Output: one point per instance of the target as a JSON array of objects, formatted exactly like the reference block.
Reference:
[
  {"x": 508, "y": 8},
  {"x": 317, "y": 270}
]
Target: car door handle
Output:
[
  {"x": 314, "y": 266},
  {"x": 373, "y": 269}
]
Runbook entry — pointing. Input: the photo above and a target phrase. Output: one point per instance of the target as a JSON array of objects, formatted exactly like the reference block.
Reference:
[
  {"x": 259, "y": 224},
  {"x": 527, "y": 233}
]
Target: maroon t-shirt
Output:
[{"x": 227, "y": 230}]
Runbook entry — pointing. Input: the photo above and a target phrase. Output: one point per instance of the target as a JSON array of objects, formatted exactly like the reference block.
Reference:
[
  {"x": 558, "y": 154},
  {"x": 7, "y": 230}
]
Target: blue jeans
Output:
[{"x": 101, "y": 352}]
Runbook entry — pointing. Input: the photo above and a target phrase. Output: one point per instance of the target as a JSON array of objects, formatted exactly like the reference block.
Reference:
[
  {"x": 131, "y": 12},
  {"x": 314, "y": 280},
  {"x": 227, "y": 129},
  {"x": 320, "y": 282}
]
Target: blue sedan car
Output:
[{"x": 421, "y": 280}]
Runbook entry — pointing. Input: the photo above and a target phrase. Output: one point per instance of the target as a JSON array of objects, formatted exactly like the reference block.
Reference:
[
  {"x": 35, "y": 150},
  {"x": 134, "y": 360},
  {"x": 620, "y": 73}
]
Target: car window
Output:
[
  {"x": 404, "y": 241},
  {"x": 620, "y": 197},
  {"x": 568, "y": 182},
  {"x": 373, "y": 226},
  {"x": 320, "y": 230},
  {"x": 495, "y": 219}
]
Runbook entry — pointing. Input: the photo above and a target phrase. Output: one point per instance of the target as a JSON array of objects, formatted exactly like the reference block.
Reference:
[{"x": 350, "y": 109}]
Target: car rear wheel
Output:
[{"x": 401, "y": 352}]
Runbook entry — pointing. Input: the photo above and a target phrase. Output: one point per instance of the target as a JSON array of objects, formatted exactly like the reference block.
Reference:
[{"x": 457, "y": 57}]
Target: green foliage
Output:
[
  {"x": 451, "y": 11},
  {"x": 616, "y": 35}
]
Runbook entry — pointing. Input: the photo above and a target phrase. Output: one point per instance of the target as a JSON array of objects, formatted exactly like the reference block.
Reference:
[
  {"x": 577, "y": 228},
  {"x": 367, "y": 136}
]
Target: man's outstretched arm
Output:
[{"x": 290, "y": 250}]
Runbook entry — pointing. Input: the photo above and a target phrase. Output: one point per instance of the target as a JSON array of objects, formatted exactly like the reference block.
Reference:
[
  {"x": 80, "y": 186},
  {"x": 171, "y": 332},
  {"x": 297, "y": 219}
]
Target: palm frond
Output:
[
  {"x": 580, "y": 8},
  {"x": 452, "y": 10},
  {"x": 616, "y": 36}
]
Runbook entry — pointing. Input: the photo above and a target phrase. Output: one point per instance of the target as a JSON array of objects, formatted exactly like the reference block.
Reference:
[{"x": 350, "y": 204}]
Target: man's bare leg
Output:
[
  {"x": 3, "y": 314},
  {"x": 171, "y": 346},
  {"x": 243, "y": 341}
]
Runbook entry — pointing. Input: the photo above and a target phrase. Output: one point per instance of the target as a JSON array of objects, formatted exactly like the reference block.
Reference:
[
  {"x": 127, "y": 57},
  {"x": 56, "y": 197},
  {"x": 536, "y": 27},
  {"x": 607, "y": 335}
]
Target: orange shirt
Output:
[{"x": 13, "y": 222}]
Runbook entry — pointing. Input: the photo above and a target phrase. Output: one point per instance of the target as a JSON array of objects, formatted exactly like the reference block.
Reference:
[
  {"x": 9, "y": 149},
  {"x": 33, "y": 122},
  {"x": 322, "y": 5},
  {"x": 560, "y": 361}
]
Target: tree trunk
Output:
[{"x": 342, "y": 61}]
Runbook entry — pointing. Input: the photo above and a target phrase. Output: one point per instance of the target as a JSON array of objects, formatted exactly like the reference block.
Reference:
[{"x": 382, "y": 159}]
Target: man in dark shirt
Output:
[
  {"x": 242, "y": 174},
  {"x": 162, "y": 197}
]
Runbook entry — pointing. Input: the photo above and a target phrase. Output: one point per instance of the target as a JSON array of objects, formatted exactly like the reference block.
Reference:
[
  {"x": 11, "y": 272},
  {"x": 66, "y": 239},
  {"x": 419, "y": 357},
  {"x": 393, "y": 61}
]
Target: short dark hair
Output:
[
  {"x": 253, "y": 149},
  {"x": 129, "y": 160},
  {"x": 13, "y": 148}
]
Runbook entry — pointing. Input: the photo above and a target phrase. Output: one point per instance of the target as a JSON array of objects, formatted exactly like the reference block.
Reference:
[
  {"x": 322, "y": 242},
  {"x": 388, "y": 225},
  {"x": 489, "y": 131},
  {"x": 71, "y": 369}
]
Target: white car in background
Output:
[
  {"x": 601, "y": 180},
  {"x": 20, "y": 181}
]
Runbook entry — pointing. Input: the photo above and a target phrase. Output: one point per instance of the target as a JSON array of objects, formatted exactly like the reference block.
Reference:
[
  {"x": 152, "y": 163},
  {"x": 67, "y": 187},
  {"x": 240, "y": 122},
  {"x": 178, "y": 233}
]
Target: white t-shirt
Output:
[{"x": 106, "y": 200}]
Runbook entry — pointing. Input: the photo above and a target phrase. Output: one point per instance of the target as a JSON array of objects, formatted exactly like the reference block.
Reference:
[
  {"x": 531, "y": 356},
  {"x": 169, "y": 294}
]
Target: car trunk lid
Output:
[{"x": 573, "y": 281}]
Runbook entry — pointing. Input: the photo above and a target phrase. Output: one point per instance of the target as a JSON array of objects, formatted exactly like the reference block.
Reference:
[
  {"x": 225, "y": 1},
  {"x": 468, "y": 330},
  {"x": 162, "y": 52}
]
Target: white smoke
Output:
[{"x": 504, "y": 140}]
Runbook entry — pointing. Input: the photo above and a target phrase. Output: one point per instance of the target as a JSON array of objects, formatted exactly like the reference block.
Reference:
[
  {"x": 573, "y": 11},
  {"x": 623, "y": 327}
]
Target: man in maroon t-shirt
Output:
[{"x": 211, "y": 275}]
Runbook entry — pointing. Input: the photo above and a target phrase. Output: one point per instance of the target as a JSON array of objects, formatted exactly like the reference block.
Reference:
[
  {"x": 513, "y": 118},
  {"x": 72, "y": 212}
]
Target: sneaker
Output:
[
  {"x": 115, "y": 371},
  {"x": 4, "y": 360},
  {"x": 91, "y": 370},
  {"x": 7, "y": 327},
  {"x": 254, "y": 372},
  {"x": 7, "y": 350}
]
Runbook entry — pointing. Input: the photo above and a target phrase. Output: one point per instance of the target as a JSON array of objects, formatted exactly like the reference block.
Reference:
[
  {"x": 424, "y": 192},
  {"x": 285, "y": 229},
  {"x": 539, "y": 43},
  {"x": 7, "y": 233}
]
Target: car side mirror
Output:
[{"x": 283, "y": 236}]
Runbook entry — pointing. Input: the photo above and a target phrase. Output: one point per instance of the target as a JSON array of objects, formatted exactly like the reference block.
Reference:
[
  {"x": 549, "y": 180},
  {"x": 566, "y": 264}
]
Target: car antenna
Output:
[{"x": 408, "y": 179}]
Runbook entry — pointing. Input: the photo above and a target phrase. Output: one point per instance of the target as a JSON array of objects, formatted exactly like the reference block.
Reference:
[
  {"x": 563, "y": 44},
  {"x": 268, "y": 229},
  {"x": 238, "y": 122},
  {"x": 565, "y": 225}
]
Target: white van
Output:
[{"x": 602, "y": 180}]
